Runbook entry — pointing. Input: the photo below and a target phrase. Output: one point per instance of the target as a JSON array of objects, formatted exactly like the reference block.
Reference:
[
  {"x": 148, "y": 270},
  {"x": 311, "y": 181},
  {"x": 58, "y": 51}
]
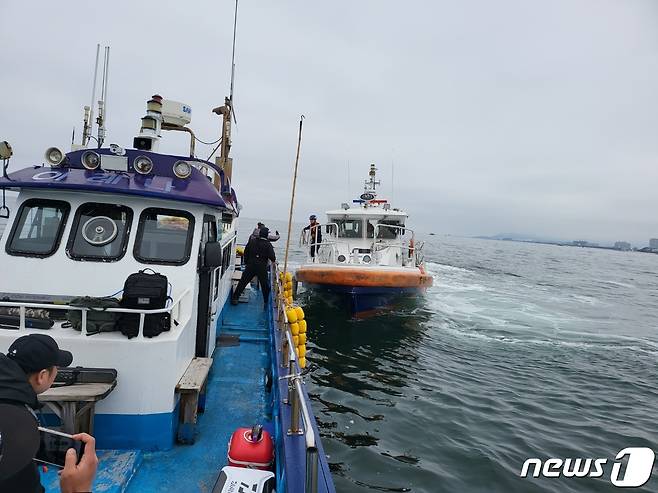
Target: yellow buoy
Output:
[
  {"x": 301, "y": 351},
  {"x": 288, "y": 286},
  {"x": 288, "y": 277},
  {"x": 294, "y": 328},
  {"x": 302, "y": 338},
  {"x": 302, "y": 326},
  {"x": 300, "y": 313},
  {"x": 239, "y": 251},
  {"x": 289, "y": 301},
  {"x": 295, "y": 340},
  {"x": 291, "y": 313},
  {"x": 302, "y": 362}
]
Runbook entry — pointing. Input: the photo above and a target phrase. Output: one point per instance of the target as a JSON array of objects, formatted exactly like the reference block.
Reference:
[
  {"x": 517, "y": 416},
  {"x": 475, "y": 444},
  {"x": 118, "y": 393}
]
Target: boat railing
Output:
[
  {"x": 296, "y": 397},
  {"x": 409, "y": 251},
  {"x": 174, "y": 309}
]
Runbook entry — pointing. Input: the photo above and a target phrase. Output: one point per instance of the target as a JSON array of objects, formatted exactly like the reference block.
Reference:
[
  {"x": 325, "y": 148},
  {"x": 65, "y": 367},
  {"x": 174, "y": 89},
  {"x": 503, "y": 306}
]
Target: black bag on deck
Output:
[{"x": 144, "y": 291}]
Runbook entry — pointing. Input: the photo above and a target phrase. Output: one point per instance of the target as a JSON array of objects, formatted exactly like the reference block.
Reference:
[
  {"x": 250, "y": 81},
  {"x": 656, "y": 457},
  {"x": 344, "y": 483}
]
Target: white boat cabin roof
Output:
[{"x": 369, "y": 212}]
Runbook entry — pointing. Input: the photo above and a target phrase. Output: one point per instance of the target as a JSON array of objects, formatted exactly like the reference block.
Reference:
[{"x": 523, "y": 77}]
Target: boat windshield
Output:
[
  {"x": 38, "y": 228},
  {"x": 389, "y": 230},
  {"x": 350, "y": 228},
  {"x": 99, "y": 232},
  {"x": 164, "y": 236}
]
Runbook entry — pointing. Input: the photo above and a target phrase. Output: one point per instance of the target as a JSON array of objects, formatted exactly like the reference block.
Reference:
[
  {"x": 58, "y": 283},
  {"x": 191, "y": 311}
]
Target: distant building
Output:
[
  {"x": 624, "y": 246},
  {"x": 653, "y": 243}
]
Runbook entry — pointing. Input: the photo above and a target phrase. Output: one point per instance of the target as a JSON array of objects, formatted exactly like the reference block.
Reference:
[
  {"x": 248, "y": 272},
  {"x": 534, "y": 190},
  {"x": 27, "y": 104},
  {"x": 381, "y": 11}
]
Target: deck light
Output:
[
  {"x": 91, "y": 160},
  {"x": 367, "y": 259},
  {"x": 182, "y": 169},
  {"x": 54, "y": 156},
  {"x": 143, "y": 165}
]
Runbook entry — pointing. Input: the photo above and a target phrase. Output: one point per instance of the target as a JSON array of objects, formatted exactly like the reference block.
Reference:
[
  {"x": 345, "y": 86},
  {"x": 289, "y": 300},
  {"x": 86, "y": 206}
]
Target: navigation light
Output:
[
  {"x": 143, "y": 165},
  {"x": 91, "y": 160},
  {"x": 182, "y": 169},
  {"x": 54, "y": 156}
]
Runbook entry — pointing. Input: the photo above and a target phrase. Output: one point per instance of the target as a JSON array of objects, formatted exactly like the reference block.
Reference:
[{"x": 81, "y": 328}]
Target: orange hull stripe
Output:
[{"x": 364, "y": 278}]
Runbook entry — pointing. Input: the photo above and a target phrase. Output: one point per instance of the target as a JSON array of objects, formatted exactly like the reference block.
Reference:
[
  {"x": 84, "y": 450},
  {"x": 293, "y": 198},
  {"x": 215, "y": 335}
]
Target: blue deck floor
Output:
[{"x": 235, "y": 398}]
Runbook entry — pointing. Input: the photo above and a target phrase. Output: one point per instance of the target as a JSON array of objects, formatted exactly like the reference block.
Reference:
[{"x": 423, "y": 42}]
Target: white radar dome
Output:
[{"x": 175, "y": 113}]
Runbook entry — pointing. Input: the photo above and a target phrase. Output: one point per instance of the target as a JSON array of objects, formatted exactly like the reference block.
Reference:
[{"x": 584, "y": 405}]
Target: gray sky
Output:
[{"x": 509, "y": 116}]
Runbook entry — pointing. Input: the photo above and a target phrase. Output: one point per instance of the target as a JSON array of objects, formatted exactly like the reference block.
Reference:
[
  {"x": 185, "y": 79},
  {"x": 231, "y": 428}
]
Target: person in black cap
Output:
[
  {"x": 270, "y": 236},
  {"x": 314, "y": 235},
  {"x": 256, "y": 255},
  {"x": 28, "y": 369}
]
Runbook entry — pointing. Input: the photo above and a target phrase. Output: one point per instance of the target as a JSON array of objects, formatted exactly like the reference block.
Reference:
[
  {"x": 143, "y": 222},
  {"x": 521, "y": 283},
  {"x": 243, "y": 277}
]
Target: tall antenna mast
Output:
[
  {"x": 226, "y": 112},
  {"x": 348, "y": 179},
  {"x": 102, "y": 103},
  {"x": 89, "y": 110},
  {"x": 235, "y": 28}
]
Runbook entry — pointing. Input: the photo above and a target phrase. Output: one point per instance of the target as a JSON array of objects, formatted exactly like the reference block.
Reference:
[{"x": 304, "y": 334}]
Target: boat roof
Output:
[
  {"x": 368, "y": 211},
  {"x": 160, "y": 183}
]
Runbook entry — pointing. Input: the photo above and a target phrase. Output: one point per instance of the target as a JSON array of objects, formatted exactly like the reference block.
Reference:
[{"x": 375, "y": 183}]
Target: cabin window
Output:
[
  {"x": 100, "y": 232},
  {"x": 384, "y": 232},
  {"x": 227, "y": 255},
  {"x": 350, "y": 228},
  {"x": 38, "y": 228},
  {"x": 164, "y": 236}
]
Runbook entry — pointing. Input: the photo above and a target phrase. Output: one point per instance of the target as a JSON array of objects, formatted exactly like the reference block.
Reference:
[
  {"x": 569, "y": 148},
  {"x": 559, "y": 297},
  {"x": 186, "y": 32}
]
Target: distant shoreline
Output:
[{"x": 576, "y": 244}]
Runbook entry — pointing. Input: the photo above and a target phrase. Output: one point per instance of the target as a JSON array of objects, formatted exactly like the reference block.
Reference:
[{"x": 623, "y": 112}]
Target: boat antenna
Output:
[
  {"x": 392, "y": 177},
  {"x": 89, "y": 110},
  {"x": 102, "y": 103},
  {"x": 292, "y": 195},
  {"x": 235, "y": 28},
  {"x": 348, "y": 179}
]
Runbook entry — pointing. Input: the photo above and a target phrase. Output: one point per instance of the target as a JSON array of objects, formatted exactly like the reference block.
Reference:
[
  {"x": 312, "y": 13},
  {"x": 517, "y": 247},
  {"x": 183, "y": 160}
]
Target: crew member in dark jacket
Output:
[
  {"x": 314, "y": 234},
  {"x": 28, "y": 369},
  {"x": 256, "y": 255}
]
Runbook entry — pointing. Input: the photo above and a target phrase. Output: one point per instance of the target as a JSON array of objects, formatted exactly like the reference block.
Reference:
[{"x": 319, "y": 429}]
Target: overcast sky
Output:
[{"x": 520, "y": 116}]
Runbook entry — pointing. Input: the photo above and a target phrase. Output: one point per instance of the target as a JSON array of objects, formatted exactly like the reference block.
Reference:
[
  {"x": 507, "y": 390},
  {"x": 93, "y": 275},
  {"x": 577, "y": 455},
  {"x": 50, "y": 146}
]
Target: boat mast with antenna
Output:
[
  {"x": 88, "y": 124},
  {"x": 227, "y": 113}
]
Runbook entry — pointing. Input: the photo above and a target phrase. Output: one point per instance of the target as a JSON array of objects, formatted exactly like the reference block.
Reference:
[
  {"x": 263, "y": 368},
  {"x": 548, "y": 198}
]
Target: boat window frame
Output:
[
  {"x": 96, "y": 258},
  {"x": 58, "y": 237},
  {"x": 359, "y": 219},
  {"x": 168, "y": 212}
]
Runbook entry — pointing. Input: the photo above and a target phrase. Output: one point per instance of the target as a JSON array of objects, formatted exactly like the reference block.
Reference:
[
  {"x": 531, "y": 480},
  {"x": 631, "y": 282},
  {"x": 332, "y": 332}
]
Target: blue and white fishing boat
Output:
[{"x": 83, "y": 222}]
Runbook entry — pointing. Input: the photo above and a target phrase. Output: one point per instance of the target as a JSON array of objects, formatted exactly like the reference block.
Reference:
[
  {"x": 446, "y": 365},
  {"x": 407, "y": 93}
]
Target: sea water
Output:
[{"x": 517, "y": 351}]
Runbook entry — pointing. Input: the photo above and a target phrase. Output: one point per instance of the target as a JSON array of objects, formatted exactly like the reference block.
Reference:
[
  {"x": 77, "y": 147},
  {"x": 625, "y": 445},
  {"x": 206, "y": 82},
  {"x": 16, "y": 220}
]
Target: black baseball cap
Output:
[
  {"x": 19, "y": 439},
  {"x": 36, "y": 352},
  {"x": 312, "y": 217}
]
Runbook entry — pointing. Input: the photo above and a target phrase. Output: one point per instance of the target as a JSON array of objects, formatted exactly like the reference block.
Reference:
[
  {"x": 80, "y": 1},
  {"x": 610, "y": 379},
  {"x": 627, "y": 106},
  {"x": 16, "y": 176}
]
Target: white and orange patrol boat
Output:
[{"x": 367, "y": 253}]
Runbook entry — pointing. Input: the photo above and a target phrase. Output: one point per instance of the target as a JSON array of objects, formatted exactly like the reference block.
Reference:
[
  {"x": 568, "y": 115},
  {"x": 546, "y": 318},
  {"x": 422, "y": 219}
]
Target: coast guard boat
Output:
[
  {"x": 82, "y": 224},
  {"x": 367, "y": 254}
]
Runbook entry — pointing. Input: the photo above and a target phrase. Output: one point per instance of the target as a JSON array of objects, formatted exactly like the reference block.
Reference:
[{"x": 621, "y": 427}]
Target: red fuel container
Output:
[{"x": 252, "y": 448}]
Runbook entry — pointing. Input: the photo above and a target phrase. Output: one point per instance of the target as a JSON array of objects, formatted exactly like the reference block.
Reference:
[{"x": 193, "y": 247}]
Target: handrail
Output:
[
  {"x": 22, "y": 306},
  {"x": 412, "y": 249},
  {"x": 295, "y": 396}
]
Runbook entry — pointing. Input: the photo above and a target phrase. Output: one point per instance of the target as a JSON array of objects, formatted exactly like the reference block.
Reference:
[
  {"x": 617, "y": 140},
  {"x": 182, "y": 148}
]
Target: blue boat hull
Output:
[{"x": 363, "y": 301}]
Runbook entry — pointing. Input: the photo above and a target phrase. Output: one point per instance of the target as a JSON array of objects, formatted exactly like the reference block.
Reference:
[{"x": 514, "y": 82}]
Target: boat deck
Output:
[{"x": 235, "y": 398}]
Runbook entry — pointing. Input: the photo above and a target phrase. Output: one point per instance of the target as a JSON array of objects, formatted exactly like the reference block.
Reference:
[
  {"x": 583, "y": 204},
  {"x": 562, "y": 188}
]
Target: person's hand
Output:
[{"x": 79, "y": 477}]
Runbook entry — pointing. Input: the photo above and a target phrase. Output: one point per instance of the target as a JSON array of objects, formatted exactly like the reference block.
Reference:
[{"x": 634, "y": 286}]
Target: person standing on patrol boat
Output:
[
  {"x": 314, "y": 235},
  {"x": 256, "y": 255}
]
